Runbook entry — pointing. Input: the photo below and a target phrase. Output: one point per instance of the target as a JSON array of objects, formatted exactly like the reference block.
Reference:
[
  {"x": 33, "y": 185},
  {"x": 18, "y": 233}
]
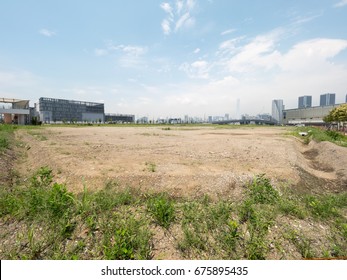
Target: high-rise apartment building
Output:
[
  {"x": 327, "y": 99},
  {"x": 277, "y": 110},
  {"x": 305, "y": 102}
]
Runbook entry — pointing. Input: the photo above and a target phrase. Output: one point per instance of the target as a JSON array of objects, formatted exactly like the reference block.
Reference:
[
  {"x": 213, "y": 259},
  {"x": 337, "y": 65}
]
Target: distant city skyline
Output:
[{"x": 176, "y": 57}]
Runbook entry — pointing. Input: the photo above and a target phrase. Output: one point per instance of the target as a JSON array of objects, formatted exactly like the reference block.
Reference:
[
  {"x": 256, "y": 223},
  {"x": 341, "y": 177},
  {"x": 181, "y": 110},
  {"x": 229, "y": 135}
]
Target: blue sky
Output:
[{"x": 171, "y": 58}]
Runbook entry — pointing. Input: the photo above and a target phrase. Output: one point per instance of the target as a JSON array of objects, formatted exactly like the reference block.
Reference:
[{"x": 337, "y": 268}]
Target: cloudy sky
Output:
[{"x": 171, "y": 58}]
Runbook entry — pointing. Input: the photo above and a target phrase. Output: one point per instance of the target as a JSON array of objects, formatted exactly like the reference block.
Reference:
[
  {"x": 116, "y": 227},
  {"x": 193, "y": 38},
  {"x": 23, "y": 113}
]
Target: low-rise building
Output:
[
  {"x": 307, "y": 116},
  {"x": 62, "y": 110},
  {"x": 119, "y": 118},
  {"x": 14, "y": 111}
]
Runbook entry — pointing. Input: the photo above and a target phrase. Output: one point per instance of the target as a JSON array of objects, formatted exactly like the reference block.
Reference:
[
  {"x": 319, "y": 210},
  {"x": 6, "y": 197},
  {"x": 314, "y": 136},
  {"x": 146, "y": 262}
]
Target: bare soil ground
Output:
[{"x": 184, "y": 161}]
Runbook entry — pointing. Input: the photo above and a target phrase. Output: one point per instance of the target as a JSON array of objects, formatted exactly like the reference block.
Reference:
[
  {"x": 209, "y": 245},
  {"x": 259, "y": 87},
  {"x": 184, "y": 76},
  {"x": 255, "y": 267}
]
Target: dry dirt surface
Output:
[{"x": 184, "y": 161}]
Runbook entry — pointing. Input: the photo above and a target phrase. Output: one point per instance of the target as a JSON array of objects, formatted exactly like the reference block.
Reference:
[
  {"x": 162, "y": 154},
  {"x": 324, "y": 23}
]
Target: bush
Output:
[
  {"x": 262, "y": 192},
  {"x": 162, "y": 209},
  {"x": 126, "y": 239},
  {"x": 334, "y": 135}
]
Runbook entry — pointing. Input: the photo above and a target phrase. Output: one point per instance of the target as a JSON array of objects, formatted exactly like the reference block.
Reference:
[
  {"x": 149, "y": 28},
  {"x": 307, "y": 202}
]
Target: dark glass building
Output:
[
  {"x": 327, "y": 99},
  {"x": 61, "y": 110},
  {"x": 305, "y": 102}
]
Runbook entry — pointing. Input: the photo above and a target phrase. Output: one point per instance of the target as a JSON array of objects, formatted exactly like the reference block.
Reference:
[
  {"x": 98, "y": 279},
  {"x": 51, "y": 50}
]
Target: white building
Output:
[
  {"x": 277, "y": 110},
  {"x": 14, "y": 111}
]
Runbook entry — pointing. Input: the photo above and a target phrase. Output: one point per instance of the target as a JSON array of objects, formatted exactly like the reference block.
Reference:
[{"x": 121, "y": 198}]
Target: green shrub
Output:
[
  {"x": 261, "y": 191},
  {"x": 334, "y": 135},
  {"x": 126, "y": 238},
  {"x": 326, "y": 206},
  {"x": 230, "y": 235},
  {"x": 59, "y": 201},
  {"x": 291, "y": 207},
  {"x": 162, "y": 209}
]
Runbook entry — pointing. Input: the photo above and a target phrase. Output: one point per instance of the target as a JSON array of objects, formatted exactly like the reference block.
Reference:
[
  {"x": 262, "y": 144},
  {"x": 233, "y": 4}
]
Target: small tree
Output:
[{"x": 338, "y": 114}]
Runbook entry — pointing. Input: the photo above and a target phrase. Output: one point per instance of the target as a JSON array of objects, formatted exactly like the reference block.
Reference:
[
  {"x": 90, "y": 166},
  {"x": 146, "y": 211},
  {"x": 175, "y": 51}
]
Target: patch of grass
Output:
[
  {"x": 258, "y": 211},
  {"x": 230, "y": 235},
  {"x": 149, "y": 134},
  {"x": 303, "y": 244},
  {"x": 106, "y": 200},
  {"x": 6, "y": 131},
  {"x": 320, "y": 135},
  {"x": 151, "y": 167},
  {"x": 334, "y": 135},
  {"x": 261, "y": 191},
  {"x": 37, "y": 133},
  {"x": 326, "y": 206},
  {"x": 208, "y": 228},
  {"x": 291, "y": 207},
  {"x": 162, "y": 209},
  {"x": 126, "y": 239}
]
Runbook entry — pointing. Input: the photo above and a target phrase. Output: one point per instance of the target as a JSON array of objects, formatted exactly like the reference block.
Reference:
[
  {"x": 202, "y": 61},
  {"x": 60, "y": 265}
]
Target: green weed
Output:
[
  {"x": 302, "y": 243},
  {"x": 326, "y": 206},
  {"x": 291, "y": 207},
  {"x": 126, "y": 239},
  {"x": 6, "y": 132},
  {"x": 162, "y": 209},
  {"x": 230, "y": 235},
  {"x": 151, "y": 166},
  {"x": 261, "y": 191}
]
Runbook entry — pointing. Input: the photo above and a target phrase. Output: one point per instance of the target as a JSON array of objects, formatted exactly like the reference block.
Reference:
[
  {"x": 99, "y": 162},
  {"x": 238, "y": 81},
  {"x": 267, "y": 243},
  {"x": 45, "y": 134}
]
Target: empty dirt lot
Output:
[{"x": 181, "y": 160}]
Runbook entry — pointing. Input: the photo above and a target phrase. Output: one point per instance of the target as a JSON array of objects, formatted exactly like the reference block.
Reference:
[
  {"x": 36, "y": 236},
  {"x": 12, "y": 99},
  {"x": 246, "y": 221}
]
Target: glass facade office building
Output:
[
  {"x": 327, "y": 99},
  {"x": 277, "y": 110},
  {"x": 305, "y": 102},
  {"x": 61, "y": 110}
]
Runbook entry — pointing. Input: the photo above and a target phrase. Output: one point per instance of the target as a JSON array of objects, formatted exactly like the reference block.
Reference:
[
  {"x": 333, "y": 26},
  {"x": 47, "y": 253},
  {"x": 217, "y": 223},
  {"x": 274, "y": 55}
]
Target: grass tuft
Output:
[{"x": 162, "y": 209}]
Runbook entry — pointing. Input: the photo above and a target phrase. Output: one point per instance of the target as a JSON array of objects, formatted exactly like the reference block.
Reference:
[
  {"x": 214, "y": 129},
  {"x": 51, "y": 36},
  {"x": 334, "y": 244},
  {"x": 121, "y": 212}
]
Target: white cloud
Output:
[
  {"x": 131, "y": 50},
  {"x": 190, "y": 4},
  {"x": 134, "y": 50},
  {"x": 225, "y": 32},
  {"x": 197, "y": 50},
  {"x": 340, "y": 4},
  {"x": 308, "y": 55},
  {"x": 100, "y": 52},
  {"x": 179, "y": 6},
  {"x": 165, "y": 25},
  {"x": 46, "y": 32},
  {"x": 178, "y": 15},
  {"x": 230, "y": 46},
  {"x": 129, "y": 56},
  {"x": 198, "y": 69},
  {"x": 167, "y": 8},
  {"x": 17, "y": 78},
  {"x": 259, "y": 53},
  {"x": 184, "y": 20}
]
